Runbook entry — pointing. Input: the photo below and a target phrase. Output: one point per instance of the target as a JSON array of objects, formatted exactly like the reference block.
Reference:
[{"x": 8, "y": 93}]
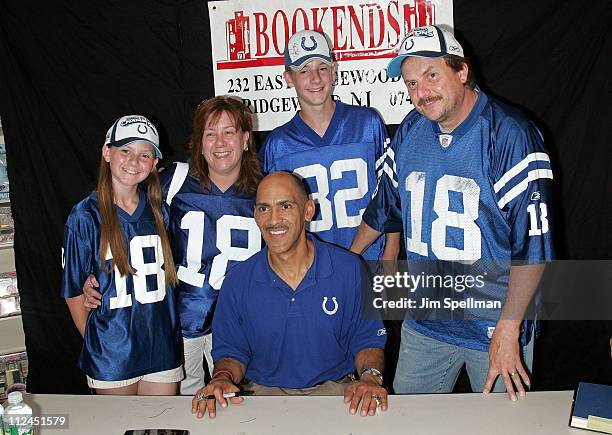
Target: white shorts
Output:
[{"x": 166, "y": 376}]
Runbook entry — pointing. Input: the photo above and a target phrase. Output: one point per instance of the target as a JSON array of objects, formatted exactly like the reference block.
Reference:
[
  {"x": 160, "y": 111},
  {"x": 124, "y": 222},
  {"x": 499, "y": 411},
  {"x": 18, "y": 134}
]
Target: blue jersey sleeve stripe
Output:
[
  {"x": 536, "y": 174},
  {"x": 391, "y": 171},
  {"x": 180, "y": 174},
  {"x": 538, "y": 164},
  {"x": 518, "y": 168},
  {"x": 381, "y": 159}
]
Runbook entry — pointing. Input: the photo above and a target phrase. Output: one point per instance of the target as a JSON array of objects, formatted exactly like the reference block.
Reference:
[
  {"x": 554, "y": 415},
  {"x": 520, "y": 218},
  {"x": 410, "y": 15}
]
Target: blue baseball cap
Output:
[
  {"x": 305, "y": 46},
  {"x": 428, "y": 41},
  {"x": 132, "y": 128}
]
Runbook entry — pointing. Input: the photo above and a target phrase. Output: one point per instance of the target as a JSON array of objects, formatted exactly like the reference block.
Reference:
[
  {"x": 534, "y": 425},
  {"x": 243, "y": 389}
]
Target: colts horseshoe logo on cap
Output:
[
  {"x": 325, "y": 310},
  {"x": 406, "y": 47},
  {"x": 312, "y": 47},
  {"x": 144, "y": 127}
]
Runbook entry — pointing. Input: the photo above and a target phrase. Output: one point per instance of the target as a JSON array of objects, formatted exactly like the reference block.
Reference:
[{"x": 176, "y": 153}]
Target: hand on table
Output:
[
  {"x": 505, "y": 361},
  {"x": 216, "y": 387},
  {"x": 366, "y": 391}
]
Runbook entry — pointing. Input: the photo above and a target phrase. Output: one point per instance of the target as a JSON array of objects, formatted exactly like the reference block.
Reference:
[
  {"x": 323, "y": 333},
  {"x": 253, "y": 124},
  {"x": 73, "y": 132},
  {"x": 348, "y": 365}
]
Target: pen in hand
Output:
[{"x": 200, "y": 396}]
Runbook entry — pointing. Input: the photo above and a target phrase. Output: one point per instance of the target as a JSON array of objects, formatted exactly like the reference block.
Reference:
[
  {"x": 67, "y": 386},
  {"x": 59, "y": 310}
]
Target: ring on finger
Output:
[
  {"x": 376, "y": 398},
  {"x": 513, "y": 374},
  {"x": 199, "y": 397}
]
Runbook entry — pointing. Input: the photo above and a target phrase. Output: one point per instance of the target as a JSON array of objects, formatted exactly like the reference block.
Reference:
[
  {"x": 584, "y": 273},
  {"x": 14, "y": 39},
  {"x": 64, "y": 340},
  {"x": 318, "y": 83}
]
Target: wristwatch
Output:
[{"x": 374, "y": 372}]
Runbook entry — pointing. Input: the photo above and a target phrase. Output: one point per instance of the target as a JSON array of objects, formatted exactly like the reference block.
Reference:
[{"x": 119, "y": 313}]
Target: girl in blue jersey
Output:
[{"x": 131, "y": 343}]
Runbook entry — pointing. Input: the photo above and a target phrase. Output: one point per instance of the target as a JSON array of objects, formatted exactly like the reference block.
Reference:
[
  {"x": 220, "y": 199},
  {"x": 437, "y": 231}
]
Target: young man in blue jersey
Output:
[
  {"x": 289, "y": 318},
  {"x": 331, "y": 145},
  {"x": 472, "y": 188}
]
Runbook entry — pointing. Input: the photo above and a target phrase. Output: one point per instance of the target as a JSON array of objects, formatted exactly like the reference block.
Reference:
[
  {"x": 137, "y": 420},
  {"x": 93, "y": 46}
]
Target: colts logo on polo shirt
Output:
[{"x": 324, "y": 306}]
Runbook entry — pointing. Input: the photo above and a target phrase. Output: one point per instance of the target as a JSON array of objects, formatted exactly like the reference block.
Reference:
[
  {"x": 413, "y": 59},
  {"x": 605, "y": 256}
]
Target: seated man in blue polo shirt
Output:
[{"x": 289, "y": 318}]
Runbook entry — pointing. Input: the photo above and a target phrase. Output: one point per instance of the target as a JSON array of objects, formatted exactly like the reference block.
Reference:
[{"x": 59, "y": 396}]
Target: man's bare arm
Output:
[
  {"x": 227, "y": 374},
  {"x": 366, "y": 235},
  {"x": 504, "y": 349},
  {"x": 370, "y": 358},
  {"x": 368, "y": 390},
  {"x": 392, "y": 246}
]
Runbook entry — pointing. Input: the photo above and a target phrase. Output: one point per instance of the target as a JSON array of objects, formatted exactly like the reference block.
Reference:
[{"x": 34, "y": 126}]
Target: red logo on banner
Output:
[
  {"x": 419, "y": 15},
  {"x": 237, "y": 33},
  {"x": 364, "y": 31}
]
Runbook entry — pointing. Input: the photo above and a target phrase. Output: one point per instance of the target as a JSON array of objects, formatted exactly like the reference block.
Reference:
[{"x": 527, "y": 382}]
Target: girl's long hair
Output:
[
  {"x": 211, "y": 110},
  {"x": 111, "y": 236}
]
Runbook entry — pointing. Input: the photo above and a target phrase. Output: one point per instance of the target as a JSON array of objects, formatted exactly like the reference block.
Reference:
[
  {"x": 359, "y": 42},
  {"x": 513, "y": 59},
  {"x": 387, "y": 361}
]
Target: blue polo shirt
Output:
[{"x": 295, "y": 339}]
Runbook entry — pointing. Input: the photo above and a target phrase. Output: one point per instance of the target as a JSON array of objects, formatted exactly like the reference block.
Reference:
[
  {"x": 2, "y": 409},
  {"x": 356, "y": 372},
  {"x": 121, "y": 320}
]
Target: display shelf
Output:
[
  {"x": 9, "y": 248},
  {"x": 12, "y": 339},
  {"x": 7, "y": 259}
]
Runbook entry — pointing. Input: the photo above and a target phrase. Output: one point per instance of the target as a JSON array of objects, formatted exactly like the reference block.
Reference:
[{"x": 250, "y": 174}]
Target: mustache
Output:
[{"x": 427, "y": 100}]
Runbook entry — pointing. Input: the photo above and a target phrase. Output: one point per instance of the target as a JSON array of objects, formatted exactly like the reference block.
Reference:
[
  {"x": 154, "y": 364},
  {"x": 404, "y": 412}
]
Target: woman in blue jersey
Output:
[
  {"x": 211, "y": 201},
  {"x": 131, "y": 343}
]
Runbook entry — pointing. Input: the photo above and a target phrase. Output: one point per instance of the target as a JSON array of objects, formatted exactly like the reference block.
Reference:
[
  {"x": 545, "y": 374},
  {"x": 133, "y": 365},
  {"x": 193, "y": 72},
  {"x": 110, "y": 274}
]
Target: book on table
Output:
[{"x": 593, "y": 408}]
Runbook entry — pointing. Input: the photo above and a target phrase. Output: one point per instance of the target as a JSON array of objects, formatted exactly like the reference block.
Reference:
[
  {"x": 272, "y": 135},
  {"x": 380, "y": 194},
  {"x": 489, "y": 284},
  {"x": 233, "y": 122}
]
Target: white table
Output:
[{"x": 473, "y": 414}]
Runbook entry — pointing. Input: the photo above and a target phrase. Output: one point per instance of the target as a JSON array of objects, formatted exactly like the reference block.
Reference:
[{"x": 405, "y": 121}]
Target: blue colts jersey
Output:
[
  {"x": 339, "y": 168},
  {"x": 210, "y": 232},
  {"x": 479, "y": 195},
  {"x": 135, "y": 331}
]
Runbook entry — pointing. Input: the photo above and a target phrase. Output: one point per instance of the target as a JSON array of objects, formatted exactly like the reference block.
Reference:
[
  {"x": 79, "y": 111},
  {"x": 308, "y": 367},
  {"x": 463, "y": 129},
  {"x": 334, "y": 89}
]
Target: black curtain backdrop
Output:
[{"x": 68, "y": 69}]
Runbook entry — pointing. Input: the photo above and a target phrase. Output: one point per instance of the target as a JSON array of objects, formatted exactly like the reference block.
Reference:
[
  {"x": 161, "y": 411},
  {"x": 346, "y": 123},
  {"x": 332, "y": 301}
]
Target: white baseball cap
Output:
[
  {"x": 131, "y": 128},
  {"x": 304, "y": 46},
  {"x": 428, "y": 41}
]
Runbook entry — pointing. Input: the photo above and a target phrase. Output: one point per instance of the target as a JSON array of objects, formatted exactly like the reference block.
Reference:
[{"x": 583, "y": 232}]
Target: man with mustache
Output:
[
  {"x": 289, "y": 319},
  {"x": 469, "y": 179}
]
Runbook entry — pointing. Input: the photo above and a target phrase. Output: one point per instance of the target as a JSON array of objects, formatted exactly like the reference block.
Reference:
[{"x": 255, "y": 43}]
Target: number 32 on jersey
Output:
[{"x": 321, "y": 196}]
